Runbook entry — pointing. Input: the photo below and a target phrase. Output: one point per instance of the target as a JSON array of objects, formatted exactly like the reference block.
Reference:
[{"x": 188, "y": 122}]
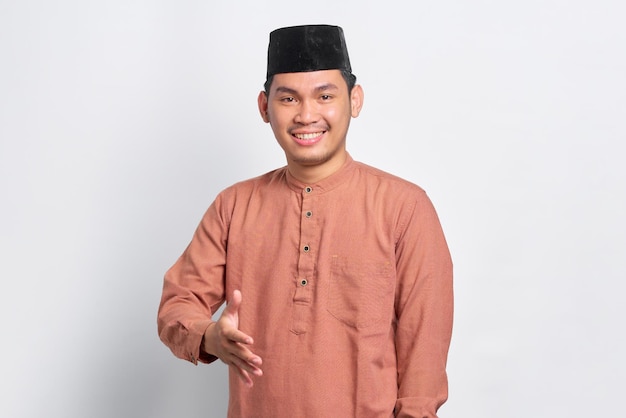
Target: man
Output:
[{"x": 337, "y": 275}]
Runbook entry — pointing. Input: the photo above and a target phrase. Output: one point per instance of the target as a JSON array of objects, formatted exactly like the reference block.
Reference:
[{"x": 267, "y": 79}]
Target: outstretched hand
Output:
[{"x": 224, "y": 340}]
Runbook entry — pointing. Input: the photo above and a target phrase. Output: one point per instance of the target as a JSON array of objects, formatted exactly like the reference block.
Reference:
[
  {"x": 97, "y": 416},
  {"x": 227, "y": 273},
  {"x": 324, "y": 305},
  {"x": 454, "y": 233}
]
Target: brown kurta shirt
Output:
[{"x": 347, "y": 292}]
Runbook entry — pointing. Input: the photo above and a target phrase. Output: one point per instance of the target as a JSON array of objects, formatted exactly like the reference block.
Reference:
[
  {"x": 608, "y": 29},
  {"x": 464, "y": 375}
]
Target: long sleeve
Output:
[
  {"x": 193, "y": 288},
  {"x": 424, "y": 311}
]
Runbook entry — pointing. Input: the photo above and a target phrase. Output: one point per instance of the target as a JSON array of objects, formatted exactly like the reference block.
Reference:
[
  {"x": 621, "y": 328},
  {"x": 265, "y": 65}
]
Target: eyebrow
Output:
[
  {"x": 281, "y": 89},
  {"x": 327, "y": 86},
  {"x": 322, "y": 87}
]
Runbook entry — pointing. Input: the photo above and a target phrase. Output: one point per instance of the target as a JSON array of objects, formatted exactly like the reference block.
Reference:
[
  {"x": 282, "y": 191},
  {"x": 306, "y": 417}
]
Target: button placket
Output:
[
  {"x": 305, "y": 275},
  {"x": 308, "y": 214}
]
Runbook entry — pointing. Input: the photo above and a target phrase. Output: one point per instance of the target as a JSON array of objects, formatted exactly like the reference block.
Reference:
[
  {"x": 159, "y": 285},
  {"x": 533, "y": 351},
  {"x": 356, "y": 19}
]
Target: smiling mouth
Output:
[{"x": 308, "y": 136}]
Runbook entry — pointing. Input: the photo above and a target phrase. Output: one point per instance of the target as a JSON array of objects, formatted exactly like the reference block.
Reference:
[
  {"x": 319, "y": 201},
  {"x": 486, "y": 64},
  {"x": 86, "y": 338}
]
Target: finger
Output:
[
  {"x": 245, "y": 377},
  {"x": 244, "y": 370},
  {"x": 236, "y": 336},
  {"x": 244, "y": 354},
  {"x": 232, "y": 308},
  {"x": 243, "y": 365}
]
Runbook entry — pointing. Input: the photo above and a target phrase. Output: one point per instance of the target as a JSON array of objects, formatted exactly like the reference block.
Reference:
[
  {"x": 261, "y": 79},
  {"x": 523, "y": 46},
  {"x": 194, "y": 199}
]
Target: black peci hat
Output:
[{"x": 298, "y": 49}]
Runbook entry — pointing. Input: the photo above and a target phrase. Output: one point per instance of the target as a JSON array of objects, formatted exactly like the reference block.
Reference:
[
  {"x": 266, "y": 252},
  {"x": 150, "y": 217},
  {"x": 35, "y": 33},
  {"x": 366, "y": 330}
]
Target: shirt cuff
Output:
[{"x": 196, "y": 334}]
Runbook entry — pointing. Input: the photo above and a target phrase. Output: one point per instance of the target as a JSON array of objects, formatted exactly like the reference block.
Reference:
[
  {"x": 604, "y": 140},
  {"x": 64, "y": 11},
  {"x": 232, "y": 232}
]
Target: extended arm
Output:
[{"x": 193, "y": 290}]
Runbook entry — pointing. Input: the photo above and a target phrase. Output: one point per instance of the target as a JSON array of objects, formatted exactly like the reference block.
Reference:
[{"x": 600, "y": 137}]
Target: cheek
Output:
[
  {"x": 338, "y": 117},
  {"x": 338, "y": 113},
  {"x": 331, "y": 115},
  {"x": 279, "y": 124},
  {"x": 279, "y": 117}
]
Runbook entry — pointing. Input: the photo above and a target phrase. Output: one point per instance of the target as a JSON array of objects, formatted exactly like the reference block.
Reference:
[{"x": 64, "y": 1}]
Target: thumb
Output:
[{"x": 232, "y": 307}]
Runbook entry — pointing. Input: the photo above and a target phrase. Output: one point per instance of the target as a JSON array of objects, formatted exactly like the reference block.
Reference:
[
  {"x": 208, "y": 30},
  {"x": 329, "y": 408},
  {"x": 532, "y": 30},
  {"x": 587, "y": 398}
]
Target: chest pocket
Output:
[{"x": 360, "y": 292}]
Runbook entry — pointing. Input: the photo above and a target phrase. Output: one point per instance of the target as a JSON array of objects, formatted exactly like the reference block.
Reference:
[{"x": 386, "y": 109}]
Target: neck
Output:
[{"x": 313, "y": 173}]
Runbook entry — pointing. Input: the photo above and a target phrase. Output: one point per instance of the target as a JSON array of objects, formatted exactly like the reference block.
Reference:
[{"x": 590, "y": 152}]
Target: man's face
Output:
[{"x": 310, "y": 114}]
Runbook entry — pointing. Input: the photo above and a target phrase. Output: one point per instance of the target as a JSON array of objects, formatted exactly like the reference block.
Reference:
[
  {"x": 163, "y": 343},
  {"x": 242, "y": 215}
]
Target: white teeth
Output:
[{"x": 307, "y": 136}]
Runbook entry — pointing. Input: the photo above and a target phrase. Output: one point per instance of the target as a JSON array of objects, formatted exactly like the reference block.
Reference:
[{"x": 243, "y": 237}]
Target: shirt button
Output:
[
  {"x": 303, "y": 282},
  {"x": 308, "y": 214},
  {"x": 308, "y": 189},
  {"x": 306, "y": 248}
]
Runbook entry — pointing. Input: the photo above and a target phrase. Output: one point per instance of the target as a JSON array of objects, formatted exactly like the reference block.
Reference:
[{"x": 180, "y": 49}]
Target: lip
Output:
[{"x": 307, "y": 138}]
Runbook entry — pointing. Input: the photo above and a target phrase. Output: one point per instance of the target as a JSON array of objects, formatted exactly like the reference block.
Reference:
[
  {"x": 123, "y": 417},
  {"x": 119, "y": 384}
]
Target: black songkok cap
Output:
[{"x": 298, "y": 49}]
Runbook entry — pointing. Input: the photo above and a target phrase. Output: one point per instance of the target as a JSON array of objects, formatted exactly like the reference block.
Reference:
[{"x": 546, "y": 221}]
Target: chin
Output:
[{"x": 311, "y": 159}]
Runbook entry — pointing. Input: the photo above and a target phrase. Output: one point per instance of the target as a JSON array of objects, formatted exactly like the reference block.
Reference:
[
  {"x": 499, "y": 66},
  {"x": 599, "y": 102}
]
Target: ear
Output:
[
  {"x": 262, "y": 102},
  {"x": 356, "y": 100}
]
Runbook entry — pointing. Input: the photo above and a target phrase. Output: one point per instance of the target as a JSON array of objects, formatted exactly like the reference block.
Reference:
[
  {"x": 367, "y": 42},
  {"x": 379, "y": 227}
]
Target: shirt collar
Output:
[{"x": 325, "y": 184}]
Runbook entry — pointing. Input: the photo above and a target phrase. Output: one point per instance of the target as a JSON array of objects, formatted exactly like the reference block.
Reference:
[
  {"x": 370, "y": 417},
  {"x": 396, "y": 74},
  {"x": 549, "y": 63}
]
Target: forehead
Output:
[{"x": 308, "y": 81}]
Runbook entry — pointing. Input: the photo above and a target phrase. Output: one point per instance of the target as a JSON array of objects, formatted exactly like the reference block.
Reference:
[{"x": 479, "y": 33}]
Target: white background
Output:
[{"x": 121, "y": 120}]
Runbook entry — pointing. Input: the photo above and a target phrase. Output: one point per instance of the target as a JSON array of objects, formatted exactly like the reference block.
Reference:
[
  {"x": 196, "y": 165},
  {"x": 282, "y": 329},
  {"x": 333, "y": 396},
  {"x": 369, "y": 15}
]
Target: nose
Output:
[{"x": 307, "y": 113}]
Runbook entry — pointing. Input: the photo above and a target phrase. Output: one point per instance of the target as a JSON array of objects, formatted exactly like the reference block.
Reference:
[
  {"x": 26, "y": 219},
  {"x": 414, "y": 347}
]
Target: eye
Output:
[
  {"x": 287, "y": 99},
  {"x": 326, "y": 97}
]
